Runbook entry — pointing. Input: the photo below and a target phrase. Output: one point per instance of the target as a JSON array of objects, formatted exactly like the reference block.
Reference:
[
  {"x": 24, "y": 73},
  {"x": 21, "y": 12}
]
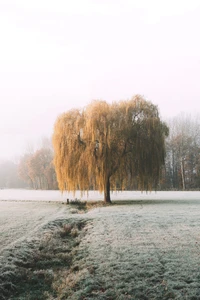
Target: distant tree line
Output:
[
  {"x": 181, "y": 171},
  {"x": 33, "y": 170},
  {"x": 9, "y": 177},
  {"x": 182, "y": 164},
  {"x": 37, "y": 169}
]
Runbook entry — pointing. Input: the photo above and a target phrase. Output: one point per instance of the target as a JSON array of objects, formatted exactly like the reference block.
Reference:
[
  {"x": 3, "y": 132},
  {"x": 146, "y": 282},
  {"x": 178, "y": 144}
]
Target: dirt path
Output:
[{"x": 20, "y": 220}]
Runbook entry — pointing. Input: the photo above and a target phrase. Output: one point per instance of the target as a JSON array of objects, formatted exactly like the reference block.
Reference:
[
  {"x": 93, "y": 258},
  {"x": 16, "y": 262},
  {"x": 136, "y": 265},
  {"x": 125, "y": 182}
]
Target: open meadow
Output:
[{"x": 146, "y": 248}]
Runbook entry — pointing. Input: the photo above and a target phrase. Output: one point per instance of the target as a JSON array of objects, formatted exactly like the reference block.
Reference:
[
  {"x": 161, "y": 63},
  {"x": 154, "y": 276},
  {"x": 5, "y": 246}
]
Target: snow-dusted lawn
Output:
[
  {"x": 38, "y": 195},
  {"x": 21, "y": 220},
  {"x": 146, "y": 250}
]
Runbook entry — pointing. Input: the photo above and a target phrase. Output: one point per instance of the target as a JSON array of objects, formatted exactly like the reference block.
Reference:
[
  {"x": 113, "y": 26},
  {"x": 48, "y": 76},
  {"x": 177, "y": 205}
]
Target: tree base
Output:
[{"x": 107, "y": 201}]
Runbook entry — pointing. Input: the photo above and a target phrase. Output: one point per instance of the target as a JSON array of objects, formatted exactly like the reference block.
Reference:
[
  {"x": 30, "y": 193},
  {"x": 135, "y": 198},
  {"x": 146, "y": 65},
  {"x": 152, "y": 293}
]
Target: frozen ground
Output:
[
  {"x": 148, "y": 248},
  {"x": 20, "y": 220},
  {"x": 22, "y": 194}
]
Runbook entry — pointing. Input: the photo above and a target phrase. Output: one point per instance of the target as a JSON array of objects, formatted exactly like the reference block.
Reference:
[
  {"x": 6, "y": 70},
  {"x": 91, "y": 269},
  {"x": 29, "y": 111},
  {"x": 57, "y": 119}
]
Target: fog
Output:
[{"x": 56, "y": 55}]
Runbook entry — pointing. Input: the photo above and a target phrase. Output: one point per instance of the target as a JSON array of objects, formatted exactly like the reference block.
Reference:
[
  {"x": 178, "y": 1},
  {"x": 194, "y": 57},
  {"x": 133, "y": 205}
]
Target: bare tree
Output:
[
  {"x": 24, "y": 171},
  {"x": 40, "y": 168},
  {"x": 37, "y": 169},
  {"x": 105, "y": 145},
  {"x": 183, "y": 151}
]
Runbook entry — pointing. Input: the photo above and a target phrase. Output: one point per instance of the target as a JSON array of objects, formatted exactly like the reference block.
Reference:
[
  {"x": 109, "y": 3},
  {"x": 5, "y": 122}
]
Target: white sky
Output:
[{"x": 59, "y": 54}]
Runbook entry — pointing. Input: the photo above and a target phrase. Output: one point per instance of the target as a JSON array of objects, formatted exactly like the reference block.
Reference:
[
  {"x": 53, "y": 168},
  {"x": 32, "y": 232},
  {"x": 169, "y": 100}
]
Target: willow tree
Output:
[{"x": 105, "y": 146}]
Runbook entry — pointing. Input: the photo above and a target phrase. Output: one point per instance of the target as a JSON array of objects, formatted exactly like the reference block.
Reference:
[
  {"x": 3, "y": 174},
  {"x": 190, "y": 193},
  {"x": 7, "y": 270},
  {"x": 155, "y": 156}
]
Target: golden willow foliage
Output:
[{"x": 105, "y": 146}]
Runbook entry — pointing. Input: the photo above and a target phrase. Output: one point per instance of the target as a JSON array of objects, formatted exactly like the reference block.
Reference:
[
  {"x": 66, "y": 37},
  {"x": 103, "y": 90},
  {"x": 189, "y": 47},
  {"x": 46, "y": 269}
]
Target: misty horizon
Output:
[{"x": 58, "y": 56}]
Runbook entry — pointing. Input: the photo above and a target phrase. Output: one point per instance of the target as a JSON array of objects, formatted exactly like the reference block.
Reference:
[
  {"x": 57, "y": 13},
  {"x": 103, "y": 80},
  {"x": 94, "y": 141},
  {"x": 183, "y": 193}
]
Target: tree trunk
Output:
[
  {"x": 183, "y": 174},
  {"x": 107, "y": 199}
]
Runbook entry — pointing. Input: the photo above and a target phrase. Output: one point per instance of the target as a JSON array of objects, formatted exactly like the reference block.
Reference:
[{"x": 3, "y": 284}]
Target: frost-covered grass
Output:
[
  {"x": 20, "y": 220},
  {"x": 148, "y": 250},
  {"x": 145, "y": 249},
  {"x": 40, "y": 195},
  {"x": 32, "y": 270}
]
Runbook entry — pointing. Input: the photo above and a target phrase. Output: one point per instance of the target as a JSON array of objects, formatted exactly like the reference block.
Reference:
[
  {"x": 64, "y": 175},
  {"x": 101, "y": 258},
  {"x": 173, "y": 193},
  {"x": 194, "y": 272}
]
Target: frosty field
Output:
[
  {"x": 146, "y": 248},
  {"x": 19, "y": 220},
  {"x": 39, "y": 195}
]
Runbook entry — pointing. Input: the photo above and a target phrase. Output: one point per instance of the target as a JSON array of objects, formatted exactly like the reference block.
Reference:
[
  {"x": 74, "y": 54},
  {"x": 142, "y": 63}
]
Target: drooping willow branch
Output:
[{"x": 107, "y": 144}]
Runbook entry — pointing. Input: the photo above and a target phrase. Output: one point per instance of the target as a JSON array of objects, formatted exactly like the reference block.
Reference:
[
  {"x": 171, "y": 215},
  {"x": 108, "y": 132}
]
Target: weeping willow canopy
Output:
[{"x": 104, "y": 146}]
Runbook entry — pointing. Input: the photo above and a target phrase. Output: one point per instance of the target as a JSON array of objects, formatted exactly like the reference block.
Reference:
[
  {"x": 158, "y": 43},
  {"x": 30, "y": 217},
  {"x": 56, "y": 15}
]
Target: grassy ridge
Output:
[
  {"x": 46, "y": 266},
  {"x": 34, "y": 270}
]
